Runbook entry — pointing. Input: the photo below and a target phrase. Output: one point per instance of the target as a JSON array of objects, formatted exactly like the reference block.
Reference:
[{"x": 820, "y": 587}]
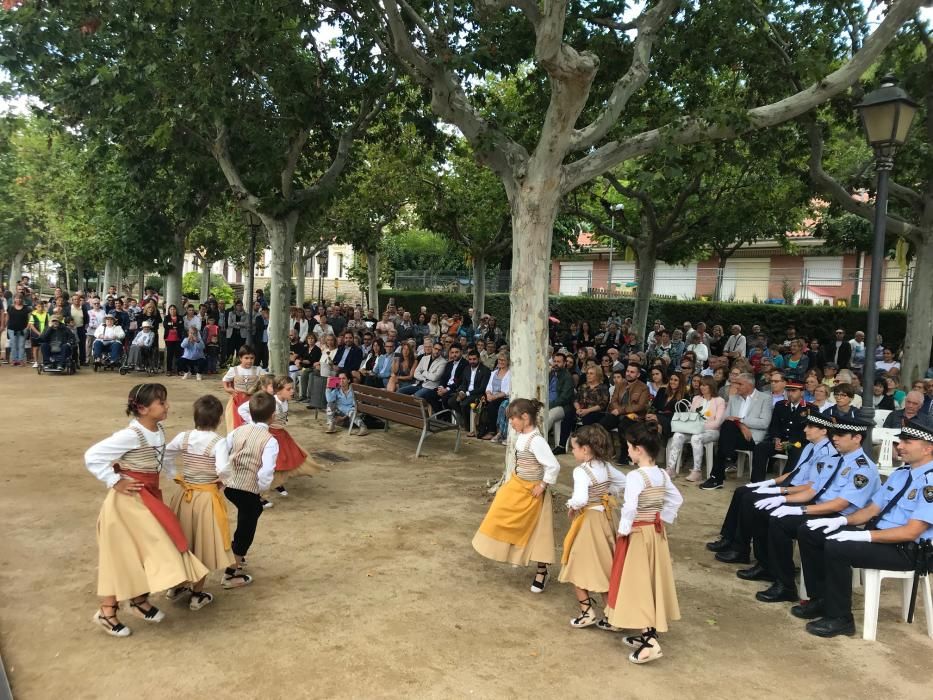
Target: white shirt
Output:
[
  {"x": 581, "y": 483},
  {"x": 100, "y": 458},
  {"x": 144, "y": 339},
  {"x": 635, "y": 484},
  {"x": 237, "y": 371},
  {"x": 746, "y": 404},
  {"x": 198, "y": 440},
  {"x": 269, "y": 454},
  {"x": 473, "y": 371},
  {"x": 111, "y": 333},
  {"x": 542, "y": 451}
]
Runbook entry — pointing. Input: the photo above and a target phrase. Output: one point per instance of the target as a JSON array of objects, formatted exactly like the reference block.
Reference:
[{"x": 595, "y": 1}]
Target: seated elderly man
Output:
[
  {"x": 56, "y": 342},
  {"x": 341, "y": 404},
  {"x": 913, "y": 403}
]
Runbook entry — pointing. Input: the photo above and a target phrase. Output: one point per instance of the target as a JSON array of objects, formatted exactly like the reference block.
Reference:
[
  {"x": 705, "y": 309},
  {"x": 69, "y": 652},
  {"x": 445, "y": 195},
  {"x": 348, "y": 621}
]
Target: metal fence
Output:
[{"x": 461, "y": 282}]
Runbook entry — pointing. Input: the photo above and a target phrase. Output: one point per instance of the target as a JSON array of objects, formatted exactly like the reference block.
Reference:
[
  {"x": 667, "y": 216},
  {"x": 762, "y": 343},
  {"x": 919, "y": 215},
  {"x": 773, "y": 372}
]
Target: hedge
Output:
[{"x": 810, "y": 321}]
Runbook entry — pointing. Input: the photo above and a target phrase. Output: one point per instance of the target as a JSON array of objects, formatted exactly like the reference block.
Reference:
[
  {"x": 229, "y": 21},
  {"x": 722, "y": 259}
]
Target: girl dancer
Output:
[
  {"x": 141, "y": 544},
  {"x": 236, "y": 381},
  {"x": 588, "y": 546},
  {"x": 292, "y": 458},
  {"x": 519, "y": 526},
  {"x": 641, "y": 584},
  {"x": 199, "y": 503}
]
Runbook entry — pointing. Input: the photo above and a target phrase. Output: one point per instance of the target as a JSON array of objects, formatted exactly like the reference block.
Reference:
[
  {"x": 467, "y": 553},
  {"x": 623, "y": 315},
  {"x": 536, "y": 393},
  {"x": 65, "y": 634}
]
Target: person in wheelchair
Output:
[
  {"x": 109, "y": 337},
  {"x": 56, "y": 343},
  {"x": 140, "y": 352}
]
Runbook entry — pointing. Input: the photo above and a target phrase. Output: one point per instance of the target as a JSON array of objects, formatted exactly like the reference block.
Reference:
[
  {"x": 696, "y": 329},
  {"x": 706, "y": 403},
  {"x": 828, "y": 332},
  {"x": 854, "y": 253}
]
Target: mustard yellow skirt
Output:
[
  {"x": 200, "y": 521},
  {"x": 590, "y": 553},
  {"x": 136, "y": 554},
  {"x": 516, "y": 530},
  {"x": 647, "y": 596}
]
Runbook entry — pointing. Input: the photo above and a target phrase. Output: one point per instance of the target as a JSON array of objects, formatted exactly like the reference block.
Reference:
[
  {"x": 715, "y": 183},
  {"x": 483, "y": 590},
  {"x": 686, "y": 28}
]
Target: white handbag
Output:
[{"x": 686, "y": 420}]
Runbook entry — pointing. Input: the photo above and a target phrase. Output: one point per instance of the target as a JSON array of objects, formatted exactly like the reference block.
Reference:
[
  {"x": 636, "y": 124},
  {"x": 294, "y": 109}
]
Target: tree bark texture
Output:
[
  {"x": 16, "y": 267},
  {"x": 108, "y": 279},
  {"x": 479, "y": 287},
  {"x": 173, "y": 278},
  {"x": 282, "y": 242},
  {"x": 919, "y": 338},
  {"x": 647, "y": 254},
  {"x": 300, "y": 277},
  {"x": 372, "y": 281},
  {"x": 205, "y": 280}
]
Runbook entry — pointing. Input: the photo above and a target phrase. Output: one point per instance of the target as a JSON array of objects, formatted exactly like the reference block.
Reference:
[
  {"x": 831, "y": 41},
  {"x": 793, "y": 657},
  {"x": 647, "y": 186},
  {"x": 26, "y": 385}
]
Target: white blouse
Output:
[
  {"x": 198, "y": 440},
  {"x": 635, "y": 484},
  {"x": 581, "y": 483},
  {"x": 237, "y": 371},
  {"x": 99, "y": 458},
  {"x": 537, "y": 445},
  {"x": 243, "y": 409}
]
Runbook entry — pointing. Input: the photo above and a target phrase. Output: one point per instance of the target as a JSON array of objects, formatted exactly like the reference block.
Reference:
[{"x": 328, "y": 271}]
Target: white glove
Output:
[
  {"x": 827, "y": 524},
  {"x": 756, "y": 484},
  {"x": 770, "y": 503},
  {"x": 768, "y": 490},
  {"x": 851, "y": 536},
  {"x": 787, "y": 510}
]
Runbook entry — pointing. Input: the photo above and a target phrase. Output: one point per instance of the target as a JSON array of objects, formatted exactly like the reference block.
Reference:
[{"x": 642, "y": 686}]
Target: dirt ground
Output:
[{"x": 366, "y": 586}]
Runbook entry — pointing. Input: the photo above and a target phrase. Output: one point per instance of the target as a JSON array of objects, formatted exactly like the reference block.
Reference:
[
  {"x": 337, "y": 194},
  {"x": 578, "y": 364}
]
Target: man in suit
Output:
[
  {"x": 428, "y": 374},
  {"x": 840, "y": 350},
  {"x": 450, "y": 379},
  {"x": 748, "y": 417},
  {"x": 237, "y": 329},
  {"x": 473, "y": 381},
  {"x": 349, "y": 357}
]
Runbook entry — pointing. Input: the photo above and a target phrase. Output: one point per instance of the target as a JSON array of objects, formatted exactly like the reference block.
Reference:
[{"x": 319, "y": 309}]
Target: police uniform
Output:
[
  {"x": 787, "y": 421},
  {"x": 853, "y": 478},
  {"x": 827, "y": 563},
  {"x": 738, "y": 527}
]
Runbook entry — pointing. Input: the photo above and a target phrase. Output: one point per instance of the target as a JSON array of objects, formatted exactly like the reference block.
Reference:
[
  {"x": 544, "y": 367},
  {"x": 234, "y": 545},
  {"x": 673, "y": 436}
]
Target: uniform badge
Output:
[
  {"x": 845, "y": 472},
  {"x": 861, "y": 481},
  {"x": 928, "y": 494},
  {"x": 804, "y": 413},
  {"x": 912, "y": 495},
  {"x": 861, "y": 461},
  {"x": 819, "y": 466}
]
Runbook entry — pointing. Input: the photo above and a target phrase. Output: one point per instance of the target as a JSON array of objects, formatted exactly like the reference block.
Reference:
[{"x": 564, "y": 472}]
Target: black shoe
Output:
[
  {"x": 720, "y": 545},
  {"x": 711, "y": 484},
  {"x": 730, "y": 556},
  {"x": 832, "y": 626},
  {"x": 808, "y": 609},
  {"x": 777, "y": 593},
  {"x": 559, "y": 450},
  {"x": 755, "y": 573}
]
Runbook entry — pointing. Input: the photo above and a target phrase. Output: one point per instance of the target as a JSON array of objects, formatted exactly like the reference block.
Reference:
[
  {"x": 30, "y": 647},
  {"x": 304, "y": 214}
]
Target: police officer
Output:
[
  {"x": 785, "y": 433},
  {"x": 733, "y": 544},
  {"x": 842, "y": 489},
  {"x": 898, "y": 514}
]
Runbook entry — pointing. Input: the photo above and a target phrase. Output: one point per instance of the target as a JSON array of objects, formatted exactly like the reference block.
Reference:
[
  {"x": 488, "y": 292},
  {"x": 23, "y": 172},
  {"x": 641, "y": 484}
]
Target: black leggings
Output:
[
  {"x": 249, "y": 508},
  {"x": 172, "y": 355}
]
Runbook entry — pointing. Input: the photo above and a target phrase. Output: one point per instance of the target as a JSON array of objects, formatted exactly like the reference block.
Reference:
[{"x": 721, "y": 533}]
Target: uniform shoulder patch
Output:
[
  {"x": 861, "y": 461},
  {"x": 845, "y": 472},
  {"x": 861, "y": 481},
  {"x": 928, "y": 494}
]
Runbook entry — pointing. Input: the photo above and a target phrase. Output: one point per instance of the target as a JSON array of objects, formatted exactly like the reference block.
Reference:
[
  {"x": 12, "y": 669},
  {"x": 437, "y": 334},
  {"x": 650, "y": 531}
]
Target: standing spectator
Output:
[
  {"x": 210, "y": 334},
  {"x": 151, "y": 313},
  {"x": 717, "y": 342},
  {"x": 713, "y": 410},
  {"x": 81, "y": 320},
  {"x": 191, "y": 320},
  {"x": 815, "y": 355},
  {"x": 736, "y": 344},
  {"x": 38, "y": 322},
  {"x": 796, "y": 362},
  {"x": 840, "y": 350},
  {"x": 237, "y": 329},
  {"x": 4, "y": 340},
  {"x": 493, "y": 335},
  {"x": 174, "y": 331},
  {"x": 17, "y": 324},
  {"x": 299, "y": 323},
  {"x": 857, "y": 356},
  {"x": 585, "y": 338}
]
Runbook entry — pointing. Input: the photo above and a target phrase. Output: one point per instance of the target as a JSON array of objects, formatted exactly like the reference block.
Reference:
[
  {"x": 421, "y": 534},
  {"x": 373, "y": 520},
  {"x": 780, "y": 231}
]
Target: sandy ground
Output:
[{"x": 367, "y": 586}]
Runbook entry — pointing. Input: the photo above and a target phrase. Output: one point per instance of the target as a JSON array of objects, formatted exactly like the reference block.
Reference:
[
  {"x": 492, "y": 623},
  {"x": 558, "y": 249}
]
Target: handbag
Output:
[{"x": 686, "y": 420}]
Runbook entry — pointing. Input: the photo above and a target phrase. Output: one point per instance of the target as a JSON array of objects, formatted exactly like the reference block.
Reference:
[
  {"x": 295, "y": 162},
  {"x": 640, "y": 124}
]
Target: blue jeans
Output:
[
  {"x": 410, "y": 390},
  {"x": 17, "y": 345},
  {"x": 114, "y": 347},
  {"x": 502, "y": 423}
]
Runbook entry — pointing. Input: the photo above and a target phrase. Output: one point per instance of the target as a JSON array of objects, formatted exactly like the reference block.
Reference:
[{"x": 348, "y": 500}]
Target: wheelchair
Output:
[
  {"x": 71, "y": 366},
  {"x": 106, "y": 363},
  {"x": 140, "y": 359}
]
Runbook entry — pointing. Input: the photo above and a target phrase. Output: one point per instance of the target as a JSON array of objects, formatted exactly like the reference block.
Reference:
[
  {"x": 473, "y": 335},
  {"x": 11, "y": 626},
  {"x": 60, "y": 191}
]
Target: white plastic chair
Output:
[
  {"x": 857, "y": 575},
  {"x": 873, "y": 578},
  {"x": 743, "y": 459},
  {"x": 881, "y": 415}
]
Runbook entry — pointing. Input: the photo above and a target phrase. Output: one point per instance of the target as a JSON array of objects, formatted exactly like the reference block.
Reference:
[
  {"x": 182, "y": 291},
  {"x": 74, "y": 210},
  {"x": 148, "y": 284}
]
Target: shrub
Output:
[
  {"x": 191, "y": 287},
  {"x": 155, "y": 282}
]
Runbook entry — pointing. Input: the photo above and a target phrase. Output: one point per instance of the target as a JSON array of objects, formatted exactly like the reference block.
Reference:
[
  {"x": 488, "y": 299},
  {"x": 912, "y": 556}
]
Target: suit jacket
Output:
[
  {"x": 353, "y": 361},
  {"x": 636, "y": 396},
  {"x": 758, "y": 417},
  {"x": 479, "y": 383},
  {"x": 462, "y": 366},
  {"x": 845, "y": 353},
  {"x": 429, "y": 373}
]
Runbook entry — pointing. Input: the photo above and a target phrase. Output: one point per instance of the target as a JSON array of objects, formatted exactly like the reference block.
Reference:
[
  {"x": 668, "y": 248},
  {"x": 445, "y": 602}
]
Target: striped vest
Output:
[
  {"x": 650, "y": 500},
  {"x": 242, "y": 382},
  {"x": 144, "y": 457},
  {"x": 527, "y": 466},
  {"x": 246, "y": 456},
  {"x": 280, "y": 417},
  {"x": 597, "y": 488},
  {"x": 199, "y": 468}
]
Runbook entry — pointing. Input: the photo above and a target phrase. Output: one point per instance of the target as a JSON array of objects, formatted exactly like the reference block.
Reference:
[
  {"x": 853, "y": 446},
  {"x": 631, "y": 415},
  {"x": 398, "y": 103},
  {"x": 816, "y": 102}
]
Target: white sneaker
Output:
[
  {"x": 363, "y": 431},
  {"x": 198, "y": 377},
  {"x": 35, "y": 365},
  {"x": 281, "y": 491},
  {"x": 187, "y": 375},
  {"x": 266, "y": 505}
]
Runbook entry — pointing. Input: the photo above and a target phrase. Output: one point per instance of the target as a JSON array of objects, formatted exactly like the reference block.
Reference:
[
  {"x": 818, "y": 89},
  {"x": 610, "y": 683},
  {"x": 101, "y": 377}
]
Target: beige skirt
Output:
[
  {"x": 136, "y": 555},
  {"x": 590, "y": 558},
  {"x": 199, "y": 522},
  {"x": 647, "y": 596},
  {"x": 540, "y": 547}
]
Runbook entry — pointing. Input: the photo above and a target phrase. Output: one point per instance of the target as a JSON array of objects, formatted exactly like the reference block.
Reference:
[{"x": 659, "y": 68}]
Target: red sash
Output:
[
  {"x": 152, "y": 499},
  {"x": 618, "y": 559}
]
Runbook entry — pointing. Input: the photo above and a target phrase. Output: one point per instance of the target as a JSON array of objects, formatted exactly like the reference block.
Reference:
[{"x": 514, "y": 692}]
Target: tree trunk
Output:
[
  {"x": 647, "y": 254},
  {"x": 479, "y": 287},
  {"x": 720, "y": 277},
  {"x": 917, "y": 342},
  {"x": 282, "y": 242},
  {"x": 107, "y": 281},
  {"x": 16, "y": 267},
  {"x": 172, "y": 290},
  {"x": 205, "y": 280},
  {"x": 300, "y": 276},
  {"x": 372, "y": 277},
  {"x": 79, "y": 276},
  {"x": 142, "y": 284}
]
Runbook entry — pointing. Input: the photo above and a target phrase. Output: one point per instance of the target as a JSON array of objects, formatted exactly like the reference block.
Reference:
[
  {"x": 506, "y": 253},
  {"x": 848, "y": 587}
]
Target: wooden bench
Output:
[{"x": 406, "y": 410}]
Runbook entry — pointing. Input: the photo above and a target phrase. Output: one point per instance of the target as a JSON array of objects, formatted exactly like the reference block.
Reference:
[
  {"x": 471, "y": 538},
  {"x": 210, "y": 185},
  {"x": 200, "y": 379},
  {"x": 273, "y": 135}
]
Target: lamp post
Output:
[
  {"x": 612, "y": 241},
  {"x": 254, "y": 223},
  {"x": 886, "y": 115},
  {"x": 321, "y": 265}
]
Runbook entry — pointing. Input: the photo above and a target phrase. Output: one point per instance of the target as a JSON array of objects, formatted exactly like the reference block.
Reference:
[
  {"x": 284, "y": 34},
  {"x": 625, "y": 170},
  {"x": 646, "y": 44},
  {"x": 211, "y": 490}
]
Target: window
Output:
[{"x": 823, "y": 271}]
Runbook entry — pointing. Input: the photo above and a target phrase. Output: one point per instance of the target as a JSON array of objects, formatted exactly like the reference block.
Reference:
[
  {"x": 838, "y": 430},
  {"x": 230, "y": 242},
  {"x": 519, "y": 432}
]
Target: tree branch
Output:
[
  {"x": 291, "y": 161},
  {"x": 220, "y": 148},
  {"x": 649, "y": 24},
  {"x": 693, "y": 130}
]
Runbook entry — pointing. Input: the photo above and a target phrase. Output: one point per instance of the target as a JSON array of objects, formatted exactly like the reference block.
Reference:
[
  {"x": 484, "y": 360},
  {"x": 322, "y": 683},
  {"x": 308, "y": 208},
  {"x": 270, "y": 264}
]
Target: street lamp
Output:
[
  {"x": 886, "y": 115},
  {"x": 321, "y": 266},
  {"x": 612, "y": 241},
  {"x": 254, "y": 223}
]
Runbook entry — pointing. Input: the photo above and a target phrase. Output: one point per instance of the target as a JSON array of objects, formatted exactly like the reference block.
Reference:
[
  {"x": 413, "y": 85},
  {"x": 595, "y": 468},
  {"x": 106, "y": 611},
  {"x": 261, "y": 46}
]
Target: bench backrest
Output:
[{"x": 400, "y": 408}]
